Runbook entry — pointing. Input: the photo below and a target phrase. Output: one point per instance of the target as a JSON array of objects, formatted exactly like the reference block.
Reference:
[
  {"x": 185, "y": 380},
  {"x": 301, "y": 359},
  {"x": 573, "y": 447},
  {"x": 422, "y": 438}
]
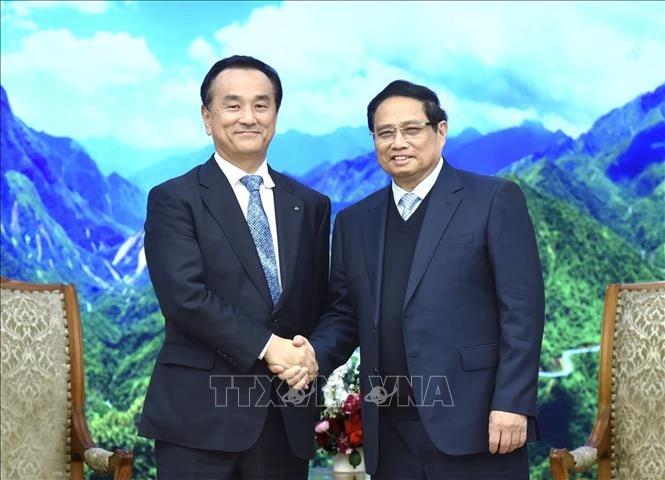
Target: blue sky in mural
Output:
[{"x": 132, "y": 70}]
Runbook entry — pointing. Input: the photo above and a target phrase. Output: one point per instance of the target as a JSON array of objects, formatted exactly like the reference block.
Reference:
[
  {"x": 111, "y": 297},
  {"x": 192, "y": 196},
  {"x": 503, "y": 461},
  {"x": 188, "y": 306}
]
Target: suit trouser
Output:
[
  {"x": 270, "y": 458},
  {"x": 407, "y": 453}
]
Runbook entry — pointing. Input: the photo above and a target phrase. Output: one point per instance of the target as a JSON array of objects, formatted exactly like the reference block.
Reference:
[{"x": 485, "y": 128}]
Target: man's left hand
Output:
[{"x": 507, "y": 431}]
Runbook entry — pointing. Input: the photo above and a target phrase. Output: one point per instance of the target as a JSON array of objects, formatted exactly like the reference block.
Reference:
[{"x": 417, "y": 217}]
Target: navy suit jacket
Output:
[
  {"x": 208, "y": 389},
  {"x": 473, "y": 312}
]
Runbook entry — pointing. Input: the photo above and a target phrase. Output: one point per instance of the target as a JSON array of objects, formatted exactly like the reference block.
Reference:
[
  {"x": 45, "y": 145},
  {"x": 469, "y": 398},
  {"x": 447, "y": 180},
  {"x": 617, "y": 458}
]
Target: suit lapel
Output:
[
  {"x": 289, "y": 211},
  {"x": 444, "y": 199},
  {"x": 374, "y": 245},
  {"x": 219, "y": 198}
]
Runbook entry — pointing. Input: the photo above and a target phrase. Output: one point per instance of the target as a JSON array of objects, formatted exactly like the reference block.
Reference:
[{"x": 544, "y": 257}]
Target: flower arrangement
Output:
[{"x": 340, "y": 428}]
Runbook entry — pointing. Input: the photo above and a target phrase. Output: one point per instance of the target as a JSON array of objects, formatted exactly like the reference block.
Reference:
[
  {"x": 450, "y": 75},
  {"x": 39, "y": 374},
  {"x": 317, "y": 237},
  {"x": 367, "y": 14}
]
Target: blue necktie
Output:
[
  {"x": 260, "y": 230},
  {"x": 407, "y": 204}
]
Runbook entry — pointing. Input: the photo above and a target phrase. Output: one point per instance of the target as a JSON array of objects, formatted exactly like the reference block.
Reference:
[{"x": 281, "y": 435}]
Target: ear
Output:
[
  {"x": 205, "y": 115},
  {"x": 443, "y": 132}
]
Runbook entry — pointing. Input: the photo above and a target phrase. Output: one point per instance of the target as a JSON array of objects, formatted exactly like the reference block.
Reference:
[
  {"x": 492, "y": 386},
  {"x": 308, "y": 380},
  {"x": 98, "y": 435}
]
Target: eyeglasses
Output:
[{"x": 408, "y": 130}]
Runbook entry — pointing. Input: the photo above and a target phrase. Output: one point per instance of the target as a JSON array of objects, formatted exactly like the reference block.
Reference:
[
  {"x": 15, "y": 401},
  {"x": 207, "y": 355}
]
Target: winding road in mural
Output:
[{"x": 567, "y": 362}]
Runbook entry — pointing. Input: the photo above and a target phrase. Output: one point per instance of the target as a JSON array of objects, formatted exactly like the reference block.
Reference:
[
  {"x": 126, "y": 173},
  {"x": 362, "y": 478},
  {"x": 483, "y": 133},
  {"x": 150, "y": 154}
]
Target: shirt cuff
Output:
[{"x": 265, "y": 349}]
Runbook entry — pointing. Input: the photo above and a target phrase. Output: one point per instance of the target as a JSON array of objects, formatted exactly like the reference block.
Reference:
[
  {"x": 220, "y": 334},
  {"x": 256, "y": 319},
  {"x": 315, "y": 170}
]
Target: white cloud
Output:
[
  {"x": 528, "y": 59},
  {"x": 84, "y": 87},
  {"x": 202, "y": 52},
  {"x": 146, "y": 117},
  {"x": 185, "y": 93},
  {"x": 10, "y": 20},
  {"x": 24, "y": 8},
  {"x": 504, "y": 117},
  {"x": 88, "y": 64},
  {"x": 182, "y": 130},
  {"x": 95, "y": 117},
  {"x": 321, "y": 108},
  {"x": 555, "y": 122},
  {"x": 493, "y": 65}
]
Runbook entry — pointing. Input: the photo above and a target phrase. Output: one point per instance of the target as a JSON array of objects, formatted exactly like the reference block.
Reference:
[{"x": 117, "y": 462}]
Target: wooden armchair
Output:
[
  {"x": 628, "y": 439},
  {"x": 44, "y": 429}
]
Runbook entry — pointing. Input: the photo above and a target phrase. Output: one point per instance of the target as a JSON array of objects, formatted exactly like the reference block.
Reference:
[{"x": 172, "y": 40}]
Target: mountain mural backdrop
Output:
[
  {"x": 597, "y": 203},
  {"x": 61, "y": 218}
]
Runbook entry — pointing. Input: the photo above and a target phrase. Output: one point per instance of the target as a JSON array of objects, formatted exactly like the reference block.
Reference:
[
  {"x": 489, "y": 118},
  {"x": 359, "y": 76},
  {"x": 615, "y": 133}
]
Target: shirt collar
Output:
[
  {"x": 234, "y": 173},
  {"x": 423, "y": 188}
]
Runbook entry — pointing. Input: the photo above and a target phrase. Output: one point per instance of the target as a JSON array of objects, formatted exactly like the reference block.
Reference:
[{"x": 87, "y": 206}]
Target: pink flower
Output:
[{"x": 322, "y": 427}]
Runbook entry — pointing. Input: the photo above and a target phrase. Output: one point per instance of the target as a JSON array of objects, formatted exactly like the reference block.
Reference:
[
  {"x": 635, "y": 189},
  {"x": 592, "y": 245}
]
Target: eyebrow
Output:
[
  {"x": 238, "y": 98},
  {"x": 391, "y": 125}
]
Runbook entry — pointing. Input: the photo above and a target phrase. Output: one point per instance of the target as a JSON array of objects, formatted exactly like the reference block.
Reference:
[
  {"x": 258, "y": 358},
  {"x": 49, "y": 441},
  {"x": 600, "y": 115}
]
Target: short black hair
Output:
[
  {"x": 242, "y": 62},
  {"x": 403, "y": 88}
]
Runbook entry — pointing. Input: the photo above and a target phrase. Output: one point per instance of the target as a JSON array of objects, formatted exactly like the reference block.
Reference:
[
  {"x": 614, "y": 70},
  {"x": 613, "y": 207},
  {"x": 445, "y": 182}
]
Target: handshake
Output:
[{"x": 294, "y": 361}]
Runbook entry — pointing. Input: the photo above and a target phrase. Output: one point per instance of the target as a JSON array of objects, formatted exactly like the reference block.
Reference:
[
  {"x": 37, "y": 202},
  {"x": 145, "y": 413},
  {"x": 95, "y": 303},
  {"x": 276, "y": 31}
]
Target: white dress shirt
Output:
[
  {"x": 233, "y": 174},
  {"x": 422, "y": 189}
]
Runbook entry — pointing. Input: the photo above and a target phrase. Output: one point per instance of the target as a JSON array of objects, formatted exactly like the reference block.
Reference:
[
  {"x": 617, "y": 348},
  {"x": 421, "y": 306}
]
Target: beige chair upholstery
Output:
[
  {"x": 628, "y": 439},
  {"x": 44, "y": 431}
]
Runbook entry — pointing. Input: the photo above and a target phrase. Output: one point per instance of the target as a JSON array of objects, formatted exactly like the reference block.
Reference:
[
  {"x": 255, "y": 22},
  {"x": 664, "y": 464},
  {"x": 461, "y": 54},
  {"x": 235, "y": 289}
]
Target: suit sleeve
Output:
[
  {"x": 178, "y": 275},
  {"x": 519, "y": 288},
  {"x": 322, "y": 259},
  {"x": 336, "y": 336}
]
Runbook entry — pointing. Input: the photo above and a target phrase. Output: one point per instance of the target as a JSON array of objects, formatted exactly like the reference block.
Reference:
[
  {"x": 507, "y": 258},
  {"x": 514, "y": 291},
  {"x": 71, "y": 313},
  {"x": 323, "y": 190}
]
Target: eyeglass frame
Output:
[{"x": 393, "y": 131}]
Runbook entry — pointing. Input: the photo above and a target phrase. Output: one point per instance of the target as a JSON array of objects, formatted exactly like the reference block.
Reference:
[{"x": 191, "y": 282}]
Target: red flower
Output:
[
  {"x": 356, "y": 439},
  {"x": 321, "y": 439},
  {"x": 351, "y": 404},
  {"x": 354, "y": 429},
  {"x": 339, "y": 429},
  {"x": 335, "y": 427}
]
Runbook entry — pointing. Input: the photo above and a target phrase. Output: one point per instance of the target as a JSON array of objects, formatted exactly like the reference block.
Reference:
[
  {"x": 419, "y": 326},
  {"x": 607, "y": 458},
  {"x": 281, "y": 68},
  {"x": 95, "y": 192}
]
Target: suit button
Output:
[
  {"x": 274, "y": 318},
  {"x": 376, "y": 371},
  {"x": 373, "y": 330}
]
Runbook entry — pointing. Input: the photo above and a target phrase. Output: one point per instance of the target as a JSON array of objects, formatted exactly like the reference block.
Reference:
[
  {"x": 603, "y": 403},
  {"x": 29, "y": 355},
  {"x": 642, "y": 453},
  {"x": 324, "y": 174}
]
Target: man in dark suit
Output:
[
  {"x": 238, "y": 257},
  {"x": 437, "y": 278}
]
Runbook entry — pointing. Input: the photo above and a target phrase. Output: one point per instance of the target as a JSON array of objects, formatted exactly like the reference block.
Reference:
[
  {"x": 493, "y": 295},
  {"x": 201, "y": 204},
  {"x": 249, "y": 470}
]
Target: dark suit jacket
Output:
[
  {"x": 473, "y": 310},
  {"x": 219, "y": 315}
]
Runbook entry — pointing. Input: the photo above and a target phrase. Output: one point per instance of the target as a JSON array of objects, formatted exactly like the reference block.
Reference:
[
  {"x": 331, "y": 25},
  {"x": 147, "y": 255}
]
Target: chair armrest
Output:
[
  {"x": 584, "y": 458},
  {"x": 117, "y": 462},
  {"x": 563, "y": 461},
  {"x": 104, "y": 461}
]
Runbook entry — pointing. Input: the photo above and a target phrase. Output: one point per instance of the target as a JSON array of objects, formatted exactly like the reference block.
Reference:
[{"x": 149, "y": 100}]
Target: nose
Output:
[
  {"x": 247, "y": 116},
  {"x": 399, "y": 140}
]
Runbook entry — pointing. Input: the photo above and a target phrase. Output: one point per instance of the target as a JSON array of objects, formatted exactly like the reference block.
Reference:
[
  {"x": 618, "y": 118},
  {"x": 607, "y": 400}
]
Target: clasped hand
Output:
[{"x": 294, "y": 361}]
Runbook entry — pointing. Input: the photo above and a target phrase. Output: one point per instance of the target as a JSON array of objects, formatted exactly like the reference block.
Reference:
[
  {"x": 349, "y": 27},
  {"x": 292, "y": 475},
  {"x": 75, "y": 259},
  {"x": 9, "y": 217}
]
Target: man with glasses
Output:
[
  {"x": 238, "y": 257},
  {"x": 437, "y": 278}
]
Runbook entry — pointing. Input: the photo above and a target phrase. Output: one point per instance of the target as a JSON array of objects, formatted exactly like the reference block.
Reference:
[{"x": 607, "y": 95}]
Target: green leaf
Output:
[{"x": 354, "y": 458}]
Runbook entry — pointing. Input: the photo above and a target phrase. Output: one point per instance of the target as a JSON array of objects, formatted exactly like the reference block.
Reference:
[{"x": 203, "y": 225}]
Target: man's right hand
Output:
[
  {"x": 293, "y": 360},
  {"x": 302, "y": 342}
]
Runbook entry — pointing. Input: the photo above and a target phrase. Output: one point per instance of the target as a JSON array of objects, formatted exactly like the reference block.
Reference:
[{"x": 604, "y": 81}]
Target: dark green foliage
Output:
[
  {"x": 580, "y": 257},
  {"x": 121, "y": 339}
]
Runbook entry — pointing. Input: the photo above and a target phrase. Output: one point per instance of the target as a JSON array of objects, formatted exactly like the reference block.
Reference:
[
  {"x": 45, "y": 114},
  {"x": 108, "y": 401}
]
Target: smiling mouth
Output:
[{"x": 401, "y": 158}]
